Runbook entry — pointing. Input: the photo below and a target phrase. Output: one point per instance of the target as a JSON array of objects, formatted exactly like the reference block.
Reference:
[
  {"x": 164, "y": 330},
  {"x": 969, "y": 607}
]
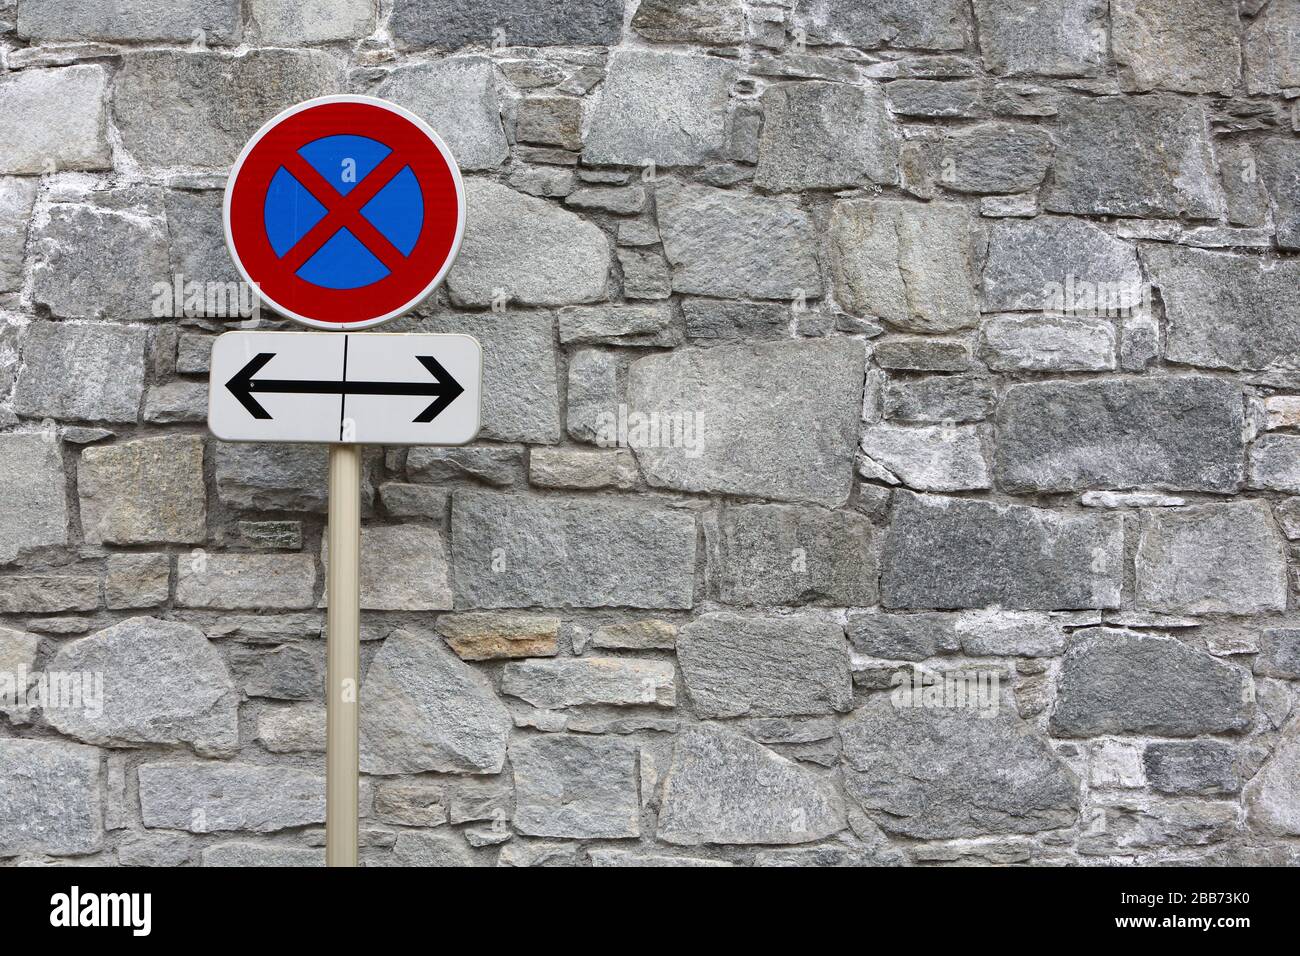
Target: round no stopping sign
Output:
[{"x": 344, "y": 212}]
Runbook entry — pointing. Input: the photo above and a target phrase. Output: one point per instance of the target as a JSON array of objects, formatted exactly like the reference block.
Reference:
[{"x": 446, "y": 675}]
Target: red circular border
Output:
[{"x": 400, "y": 289}]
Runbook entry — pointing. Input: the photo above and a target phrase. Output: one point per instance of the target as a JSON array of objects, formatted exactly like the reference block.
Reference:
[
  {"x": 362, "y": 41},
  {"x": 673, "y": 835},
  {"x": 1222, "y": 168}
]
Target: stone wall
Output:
[{"x": 970, "y": 331}]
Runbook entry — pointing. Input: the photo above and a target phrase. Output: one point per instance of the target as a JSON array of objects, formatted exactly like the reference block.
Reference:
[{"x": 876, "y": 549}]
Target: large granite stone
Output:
[
  {"x": 1121, "y": 682},
  {"x": 1227, "y": 311},
  {"x": 144, "y": 491},
  {"x": 199, "y": 107},
  {"x": 915, "y": 24},
  {"x": 825, "y": 136},
  {"x": 723, "y": 788},
  {"x": 52, "y": 120},
  {"x": 1138, "y": 156},
  {"x": 451, "y": 24},
  {"x": 929, "y": 457},
  {"x": 175, "y": 21},
  {"x": 660, "y": 107},
  {"x": 733, "y": 245},
  {"x": 458, "y": 98},
  {"x": 738, "y": 665},
  {"x": 911, "y": 265},
  {"x": 81, "y": 372},
  {"x": 751, "y": 435},
  {"x": 1169, "y": 45},
  {"x": 519, "y": 248},
  {"x": 246, "y": 581},
  {"x": 33, "y": 508},
  {"x": 960, "y": 553},
  {"x": 1051, "y": 38},
  {"x": 1227, "y": 558},
  {"x": 289, "y": 23},
  {"x": 423, "y": 709},
  {"x": 1182, "y": 433},
  {"x": 782, "y": 554},
  {"x": 104, "y": 257},
  {"x": 576, "y": 787},
  {"x": 1042, "y": 265},
  {"x": 163, "y": 683},
  {"x": 994, "y": 158},
  {"x": 49, "y": 798},
  {"x": 517, "y": 551},
  {"x": 939, "y": 773},
  {"x": 215, "y": 797}
]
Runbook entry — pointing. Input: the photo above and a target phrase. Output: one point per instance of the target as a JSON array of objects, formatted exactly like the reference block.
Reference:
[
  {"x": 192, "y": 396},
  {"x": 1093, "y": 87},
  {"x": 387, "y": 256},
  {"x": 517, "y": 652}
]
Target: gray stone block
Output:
[
  {"x": 781, "y": 554},
  {"x": 936, "y": 773},
  {"x": 576, "y": 787},
  {"x": 451, "y": 24},
  {"x": 199, "y": 107},
  {"x": 183, "y": 21},
  {"x": 33, "y": 509},
  {"x": 759, "y": 665},
  {"x": 247, "y": 581},
  {"x": 49, "y": 798},
  {"x": 722, "y": 788},
  {"x": 517, "y": 551},
  {"x": 825, "y": 136},
  {"x": 732, "y": 245},
  {"x": 81, "y": 372},
  {"x": 102, "y": 258},
  {"x": 52, "y": 120},
  {"x": 662, "y": 108},
  {"x": 216, "y": 797},
  {"x": 960, "y": 553},
  {"x": 1168, "y": 45},
  {"x": 743, "y": 442},
  {"x": 163, "y": 683},
  {"x": 1121, "y": 682},
  {"x": 1225, "y": 558},
  {"x": 146, "y": 491},
  {"x": 522, "y": 249},
  {"x": 1055, "y": 38},
  {"x": 911, "y": 265},
  {"x": 1227, "y": 311},
  {"x": 1181, "y": 433},
  {"x": 424, "y": 709},
  {"x": 1155, "y": 159}
]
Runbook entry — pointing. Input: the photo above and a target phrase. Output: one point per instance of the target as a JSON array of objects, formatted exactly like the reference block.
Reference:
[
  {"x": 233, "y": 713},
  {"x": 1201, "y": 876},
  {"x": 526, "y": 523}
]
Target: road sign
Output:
[
  {"x": 355, "y": 388},
  {"x": 344, "y": 212}
]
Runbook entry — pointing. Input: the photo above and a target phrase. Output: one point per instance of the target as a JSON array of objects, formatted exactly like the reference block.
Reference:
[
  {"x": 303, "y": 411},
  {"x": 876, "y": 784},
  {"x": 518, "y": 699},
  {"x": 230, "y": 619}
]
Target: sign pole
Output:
[{"x": 343, "y": 649}]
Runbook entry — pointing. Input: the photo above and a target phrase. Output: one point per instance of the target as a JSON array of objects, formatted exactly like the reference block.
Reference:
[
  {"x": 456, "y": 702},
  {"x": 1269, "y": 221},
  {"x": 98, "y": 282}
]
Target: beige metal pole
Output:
[{"x": 343, "y": 647}]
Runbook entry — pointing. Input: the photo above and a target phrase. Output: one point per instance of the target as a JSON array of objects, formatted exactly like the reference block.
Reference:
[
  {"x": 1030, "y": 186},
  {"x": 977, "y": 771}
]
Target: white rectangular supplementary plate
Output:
[{"x": 366, "y": 388}]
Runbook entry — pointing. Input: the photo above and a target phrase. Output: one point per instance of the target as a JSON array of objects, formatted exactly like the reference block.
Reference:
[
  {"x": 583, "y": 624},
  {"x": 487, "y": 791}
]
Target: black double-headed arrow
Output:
[{"x": 243, "y": 386}]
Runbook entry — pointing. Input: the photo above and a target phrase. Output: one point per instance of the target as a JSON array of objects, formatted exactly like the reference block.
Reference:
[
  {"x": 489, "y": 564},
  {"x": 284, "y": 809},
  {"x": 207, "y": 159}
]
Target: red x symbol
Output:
[{"x": 343, "y": 211}]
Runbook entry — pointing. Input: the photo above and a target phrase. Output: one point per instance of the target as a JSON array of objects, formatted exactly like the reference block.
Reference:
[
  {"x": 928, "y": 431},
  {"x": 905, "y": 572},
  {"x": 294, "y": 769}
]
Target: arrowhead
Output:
[
  {"x": 241, "y": 384},
  {"x": 450, "y": 389}
]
